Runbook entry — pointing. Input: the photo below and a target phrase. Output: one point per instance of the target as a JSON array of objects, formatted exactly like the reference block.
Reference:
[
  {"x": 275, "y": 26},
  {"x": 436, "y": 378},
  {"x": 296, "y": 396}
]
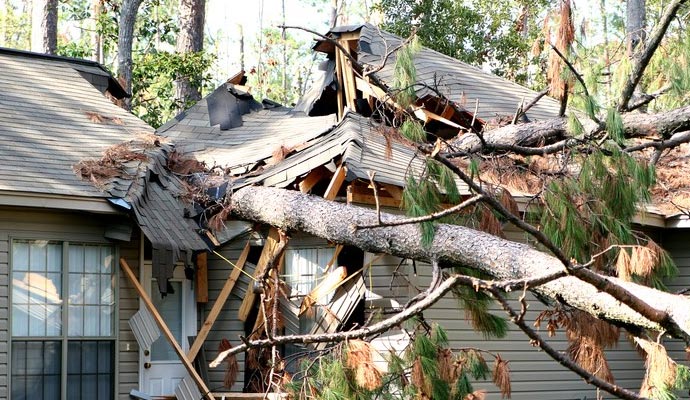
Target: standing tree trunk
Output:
[
  {"x": 44, "y": 26},
  {"x": 128, "y": 16},
  {"x": 190, "y": 39},
  {"x": 635, "y": 24}
]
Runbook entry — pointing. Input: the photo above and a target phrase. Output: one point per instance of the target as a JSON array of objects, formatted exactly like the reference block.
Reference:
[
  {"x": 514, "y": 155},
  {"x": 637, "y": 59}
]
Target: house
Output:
[
  {"x": 297, "y": 149},
  {"x": 61, "y": 236}
]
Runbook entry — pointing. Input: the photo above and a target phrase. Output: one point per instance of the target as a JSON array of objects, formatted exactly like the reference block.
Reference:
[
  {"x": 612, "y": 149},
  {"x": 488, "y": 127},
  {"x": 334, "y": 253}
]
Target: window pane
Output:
[
  {"x": 92, "y": 259},
  {"x": 54, "y": 257},
  {"x": 38, "y": 255},
  {"x": 76, "y": 320},
  {"x": 91, "y": 293},
  {"x": 36, "y": 298},
  {"x": 76, "y": 258},
  {"x": 20, "y": 256},
  {"x": 36, "y": 370},
  {"x": 170, "y": 308},
  {"x": 90, "y": 370}
]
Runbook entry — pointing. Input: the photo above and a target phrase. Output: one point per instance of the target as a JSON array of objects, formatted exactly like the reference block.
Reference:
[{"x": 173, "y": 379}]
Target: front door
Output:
[{"x": 161, "y": 369}]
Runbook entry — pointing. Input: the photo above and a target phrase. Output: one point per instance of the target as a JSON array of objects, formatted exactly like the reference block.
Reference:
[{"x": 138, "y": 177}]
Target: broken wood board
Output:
[
  {"x": 312, "y": 178},
  {"x": 267, "y": 254},
  {"x": 348, "y": 75},
  {"x": 361, "y": 195},
  {"x": 219, "y": 303},
  {"x": 165, "y": 330},
  {"x": 336, "y": 182},
  {"x": 201, "y": 278},
  {"x": 340, "y": 308}
]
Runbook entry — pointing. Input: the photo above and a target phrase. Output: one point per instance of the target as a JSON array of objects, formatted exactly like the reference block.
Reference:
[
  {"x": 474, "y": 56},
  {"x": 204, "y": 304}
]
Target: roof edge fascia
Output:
[{"x": 98, "y": 205}]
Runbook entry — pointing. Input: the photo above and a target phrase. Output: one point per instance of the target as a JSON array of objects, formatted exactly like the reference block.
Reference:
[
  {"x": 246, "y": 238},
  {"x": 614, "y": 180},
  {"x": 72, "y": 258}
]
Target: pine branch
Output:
[
  {"x": 600, "y": 282},
  {"x": 645, "y": 57}
]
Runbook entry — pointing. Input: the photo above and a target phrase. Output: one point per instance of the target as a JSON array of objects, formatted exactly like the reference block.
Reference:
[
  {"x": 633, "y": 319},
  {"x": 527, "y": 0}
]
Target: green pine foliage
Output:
[
  {"x": 412, "y": 130},
  {"x": 614, "y": 126},
  {"x": 585, "y": 214},
  {"x": 476, "y": 305},
  {"x": 405, "y": 73}
]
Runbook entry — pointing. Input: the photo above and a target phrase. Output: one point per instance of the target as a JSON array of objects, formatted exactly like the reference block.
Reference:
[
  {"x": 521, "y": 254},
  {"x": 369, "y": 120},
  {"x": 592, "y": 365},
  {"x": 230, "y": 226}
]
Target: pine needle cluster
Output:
[
  {"x": 587, "y": 213},
  {"x": 428, "y": 369},
  {"x": 663, "y": 376}
]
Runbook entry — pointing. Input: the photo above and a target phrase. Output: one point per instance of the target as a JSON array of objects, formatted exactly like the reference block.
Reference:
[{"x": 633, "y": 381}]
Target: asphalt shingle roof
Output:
[
  {"x": 46, "y": 124},
  {"x": 458, "y": 81}
]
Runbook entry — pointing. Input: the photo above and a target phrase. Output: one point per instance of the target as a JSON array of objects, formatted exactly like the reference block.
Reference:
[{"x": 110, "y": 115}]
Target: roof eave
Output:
[{"x": 96, "y": 205}]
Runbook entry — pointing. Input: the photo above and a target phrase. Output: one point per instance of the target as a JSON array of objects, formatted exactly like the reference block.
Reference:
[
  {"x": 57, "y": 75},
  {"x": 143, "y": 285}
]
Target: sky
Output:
[{"x": 224, "y": 18}]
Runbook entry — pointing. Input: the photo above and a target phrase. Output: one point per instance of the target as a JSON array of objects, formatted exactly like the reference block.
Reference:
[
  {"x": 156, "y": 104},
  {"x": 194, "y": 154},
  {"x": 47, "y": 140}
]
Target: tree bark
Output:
[
  {"x": 453, "y": 245},
  {"x": 635, "y": 24},
  {"x": 128, "y": 16},
  {"x": 190, "y": 39},
  {"x": 661, "y": 125},
  {"x": 44, "y": 18}
]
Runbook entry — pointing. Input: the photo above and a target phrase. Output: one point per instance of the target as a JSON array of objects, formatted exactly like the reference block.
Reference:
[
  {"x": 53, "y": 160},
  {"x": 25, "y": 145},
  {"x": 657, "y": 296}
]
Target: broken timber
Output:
[
  {"x": 166, "y": 331},
  {"x": 219, "y": 303},
  {"x": 267, "y": 254}
]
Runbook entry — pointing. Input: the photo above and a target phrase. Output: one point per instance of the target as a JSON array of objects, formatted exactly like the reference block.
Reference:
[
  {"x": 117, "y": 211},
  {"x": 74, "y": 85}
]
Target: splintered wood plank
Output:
[
  {"x": 219, "y": 304},
  {"x": 426, "y": 116},
  {"x": 348, "y": 75},
  {"x": 266, "y": 255},
  {"x": 341, "y": 83},
  {"x": 313, "y": 178},
  {"x": 201, "y": 278},
  {"x": 165, "y": 330},
  {"x": 336, "y": 183}
]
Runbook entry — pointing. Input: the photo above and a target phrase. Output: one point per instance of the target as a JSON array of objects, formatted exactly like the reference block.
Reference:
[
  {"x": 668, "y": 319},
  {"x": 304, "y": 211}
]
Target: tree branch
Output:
[
  {"x": 646, "y": 55},
  {"x": 561, "y": 358},
  {"x": 426, "y": 218},
  {"x": 424, "y": 303}
]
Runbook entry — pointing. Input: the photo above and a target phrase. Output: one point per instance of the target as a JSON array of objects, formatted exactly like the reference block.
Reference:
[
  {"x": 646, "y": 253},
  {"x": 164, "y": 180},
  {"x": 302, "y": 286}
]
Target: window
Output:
[{"x": 62, "y": 349}]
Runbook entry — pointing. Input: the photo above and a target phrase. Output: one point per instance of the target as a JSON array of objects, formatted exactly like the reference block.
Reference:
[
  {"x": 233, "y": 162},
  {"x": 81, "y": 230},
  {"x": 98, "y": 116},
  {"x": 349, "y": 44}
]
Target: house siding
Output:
[
  {"x": 534, "y": 374},
  {"x": 21, "y": 223}
]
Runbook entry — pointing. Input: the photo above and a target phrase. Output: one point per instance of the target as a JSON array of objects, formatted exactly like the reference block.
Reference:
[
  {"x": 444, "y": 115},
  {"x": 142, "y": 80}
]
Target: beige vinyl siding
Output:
[
  {"x": 677, "y": 243},
  {"x": 534, "y": 374},
  {"x": 43, "y": 224}
]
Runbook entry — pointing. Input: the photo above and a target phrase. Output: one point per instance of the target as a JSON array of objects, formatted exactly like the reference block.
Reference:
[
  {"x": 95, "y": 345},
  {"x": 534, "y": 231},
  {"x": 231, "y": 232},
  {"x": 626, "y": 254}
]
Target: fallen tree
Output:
[{"x": 455, "y": 245}]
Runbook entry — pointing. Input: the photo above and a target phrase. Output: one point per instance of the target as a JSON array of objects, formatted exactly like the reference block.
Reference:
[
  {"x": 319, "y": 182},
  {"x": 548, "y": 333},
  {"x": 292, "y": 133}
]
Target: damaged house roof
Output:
[
  {"x": 55, "y": 116},
  {"x": 52, "y": 115}
]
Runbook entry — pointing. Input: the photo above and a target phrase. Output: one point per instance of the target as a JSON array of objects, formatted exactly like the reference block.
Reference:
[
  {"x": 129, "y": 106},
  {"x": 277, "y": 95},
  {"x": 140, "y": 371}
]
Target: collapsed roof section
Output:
[
  {"x": 137, "y": 177},
  {"x": 452, "y": 96}
]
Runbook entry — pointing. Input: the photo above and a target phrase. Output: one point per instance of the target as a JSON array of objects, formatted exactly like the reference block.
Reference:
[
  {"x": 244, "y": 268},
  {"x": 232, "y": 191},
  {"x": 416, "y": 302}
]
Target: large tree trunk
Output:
[
  {"x": 452, "y": 245},
  {"x": 190, "y": 39},
  {"x": 128, "y": 16},
  {"x": 44, "y": 19}
]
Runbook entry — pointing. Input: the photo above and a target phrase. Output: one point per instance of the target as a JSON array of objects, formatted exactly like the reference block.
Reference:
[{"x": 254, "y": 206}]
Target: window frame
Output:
[{"x": 64, "y": 338}]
